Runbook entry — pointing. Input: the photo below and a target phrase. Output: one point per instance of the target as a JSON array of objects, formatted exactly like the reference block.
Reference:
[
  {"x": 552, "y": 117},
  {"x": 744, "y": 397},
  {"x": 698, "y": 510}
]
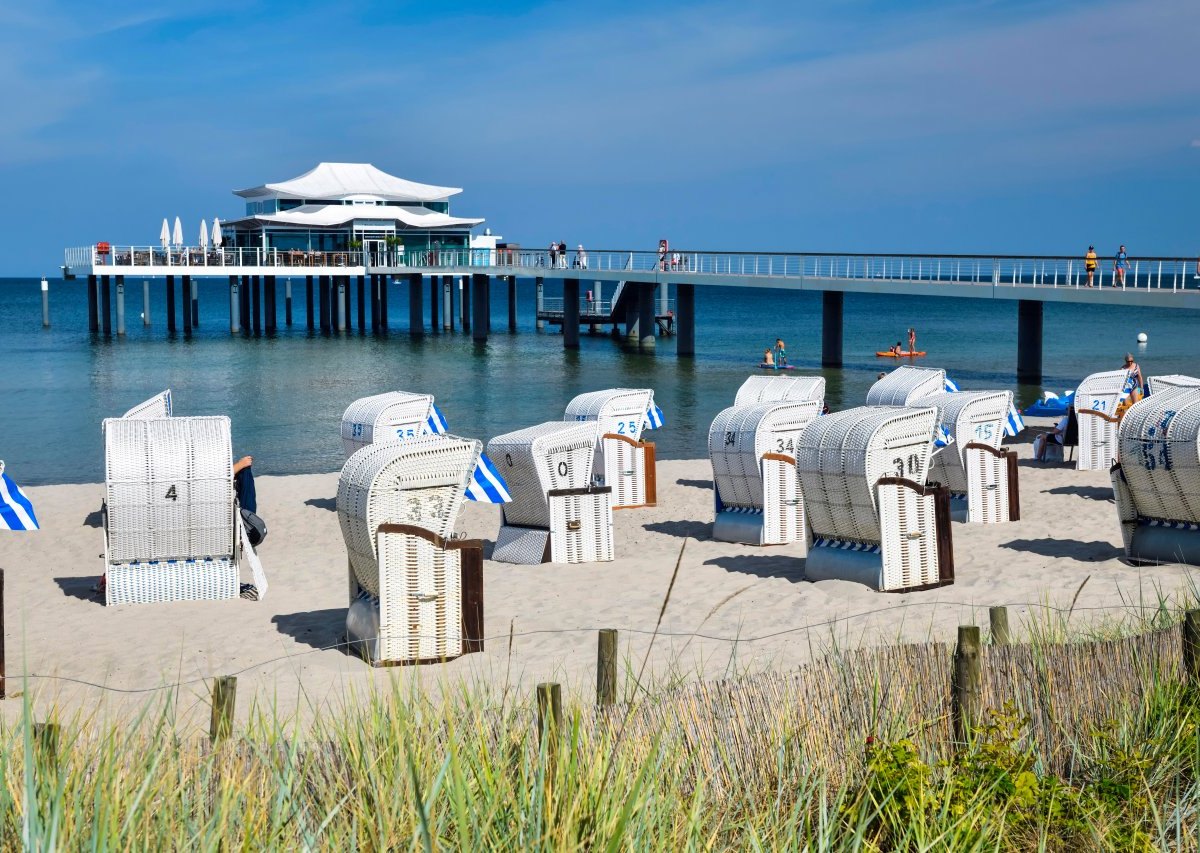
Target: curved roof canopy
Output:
[
  {"x": 329, "y": 215},
  {"x": 350, "y": 181}
]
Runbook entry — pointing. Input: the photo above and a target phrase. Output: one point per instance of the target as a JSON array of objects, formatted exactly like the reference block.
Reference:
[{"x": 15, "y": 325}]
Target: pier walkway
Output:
[{"x": 641, "y": 282}]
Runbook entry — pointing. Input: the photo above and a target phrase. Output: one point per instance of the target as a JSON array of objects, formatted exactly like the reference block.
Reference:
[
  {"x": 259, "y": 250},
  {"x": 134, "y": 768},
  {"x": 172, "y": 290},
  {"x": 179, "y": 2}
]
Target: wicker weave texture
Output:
[
  {"x": 158, "y": 406},
  {"x": 969, "y": 417},
  {"x": 624, "y": 471},
  {"x": 182, "y": 580},
  {"x": 534, "y": 460},
  {"x": 909, "y": 526},
  {"x": 1099, "y": 392},
  {"x": 420, "y": 605},
  {"x": 581, "y": 529},
  {"x": 384, "y": 417},
  {"x": 738, "y": 438},
  {"x": 168, "y": 489},
  {"x": 783, "y": 503},
  {"x": 768, "y": 389},
  {"x": 419, "y": 482},
  {"x": 618, "y": 411},
  {"x": 1159, "y": 384},
  {"x": 987, "y": 487},
  {"x": 905, "y": 385},
  {"x": 842, "y": 455},
  {"x": 1160, "y": 455}
]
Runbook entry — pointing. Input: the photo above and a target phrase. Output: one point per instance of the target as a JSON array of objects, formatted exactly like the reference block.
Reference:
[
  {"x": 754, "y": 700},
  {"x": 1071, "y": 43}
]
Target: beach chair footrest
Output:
[{"x": 178, "y": 580}]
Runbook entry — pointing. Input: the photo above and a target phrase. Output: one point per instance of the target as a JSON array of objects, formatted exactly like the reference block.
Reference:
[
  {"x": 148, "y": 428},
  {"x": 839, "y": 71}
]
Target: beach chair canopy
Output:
[
  {"x": 533, "y": 461},
  {"x": 620, "y": 411},
  {"x": 1159, "y": 447},
  {"x": 742, "y": 435},
  {"x": 765, "y": 389},
  {"x": 968, "y": 417},
  {"x": 905, "y": 385},
  {"x": 158, "y": 406},
  {"x": 1174, "y": 380},
  {"x": 389, "y": 417}
]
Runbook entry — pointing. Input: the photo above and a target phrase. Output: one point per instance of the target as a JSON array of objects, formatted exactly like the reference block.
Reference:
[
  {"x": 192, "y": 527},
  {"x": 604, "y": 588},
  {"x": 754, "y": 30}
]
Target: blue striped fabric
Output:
[
  {"x": 951, "y": 385},
  {"x": 1128, "y": 387},
  {"x": 487, "y": 486},
  {"x": 654, "y": 417},
  {"x": 436, "y": 423},
  {"x": 16, "y": 512},
  {"x": 843, "y": 545},
  {"x": 942, "y": 437},
  {"x": 1013, "y": 422}
]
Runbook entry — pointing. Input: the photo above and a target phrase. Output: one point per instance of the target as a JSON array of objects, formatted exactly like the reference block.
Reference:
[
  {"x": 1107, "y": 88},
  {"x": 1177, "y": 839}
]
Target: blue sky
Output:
[{"x": 820, "y": 126}]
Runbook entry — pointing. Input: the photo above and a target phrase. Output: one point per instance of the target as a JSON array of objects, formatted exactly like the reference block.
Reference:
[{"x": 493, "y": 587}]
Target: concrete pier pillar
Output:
[
  {"x": 373, "y": 283},
  {"x": 120, "y": 305},
  {"x": 448, "y": 302},
  {"x": 93, "y": 305},
  {"x": 512, "y": 303},
  {"x": 362, "y": 303},
  {"x": 343, "y": 305},
  {"x": 195, "y": 289},
  {"x": 416, "y": 304},
  {"x": 244, "y": 305},
  {"x": 171, "y": 304},
  {"x": 308, "y": 301},
  {"x": 384, "y": 281},
  {"x": 185, "y": 303},
  {"x": 464, "y": 298},
  {"x": 479, "y": 307},
  {"x": 145, "y": 302},
  {"x": 325, "y": 304},
  {"x": 664, "y": 299},
  {"x": 646, "y": 322},
  {"x": 685, "y": 319},
  {"x": 831, "y": 328},
  {"x": 435, "y": 301},
  {"x": 570, "y": 313},
  {"x": 1029, "y": 341},
  {"x": 235, "y": 306},
  {"x": 270, "y": 300},
  {"x": 105, "y": 305},
  {"x": 287, "y": 301},
  {"x": 631, "y": 312},
  {"x": 539, "y": 285},
  {"x": 256, "y": 306}
]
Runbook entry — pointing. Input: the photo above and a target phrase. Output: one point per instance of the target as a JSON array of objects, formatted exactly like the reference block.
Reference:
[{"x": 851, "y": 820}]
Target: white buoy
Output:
[{"x": 1142, "y": 337}]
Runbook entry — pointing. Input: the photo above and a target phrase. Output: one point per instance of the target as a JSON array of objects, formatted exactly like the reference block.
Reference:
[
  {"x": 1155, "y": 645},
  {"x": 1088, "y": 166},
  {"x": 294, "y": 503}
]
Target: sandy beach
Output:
[{"x": 734, "y": 609}]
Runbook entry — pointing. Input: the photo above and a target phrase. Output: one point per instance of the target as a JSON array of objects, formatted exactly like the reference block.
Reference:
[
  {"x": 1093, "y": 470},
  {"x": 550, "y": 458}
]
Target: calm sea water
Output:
[{"x": 286, "y": 393}]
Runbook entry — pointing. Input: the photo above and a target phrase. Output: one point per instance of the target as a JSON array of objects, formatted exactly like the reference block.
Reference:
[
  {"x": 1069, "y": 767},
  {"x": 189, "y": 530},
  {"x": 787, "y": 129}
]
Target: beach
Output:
[{"x": 734, "y": 609}]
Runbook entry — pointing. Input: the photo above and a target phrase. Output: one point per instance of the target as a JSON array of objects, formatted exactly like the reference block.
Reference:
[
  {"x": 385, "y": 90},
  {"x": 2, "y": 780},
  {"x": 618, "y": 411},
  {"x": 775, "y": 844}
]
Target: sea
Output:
[{"x": 285, "y": 392}]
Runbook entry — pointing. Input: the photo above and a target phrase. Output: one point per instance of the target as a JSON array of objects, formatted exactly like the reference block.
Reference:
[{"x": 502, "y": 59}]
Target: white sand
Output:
[{"x": 753, "y": 599}]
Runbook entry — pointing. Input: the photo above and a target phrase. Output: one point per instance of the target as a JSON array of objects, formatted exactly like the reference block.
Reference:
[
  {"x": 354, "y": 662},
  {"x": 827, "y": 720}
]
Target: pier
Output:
[{"x": 648, "y": 294}]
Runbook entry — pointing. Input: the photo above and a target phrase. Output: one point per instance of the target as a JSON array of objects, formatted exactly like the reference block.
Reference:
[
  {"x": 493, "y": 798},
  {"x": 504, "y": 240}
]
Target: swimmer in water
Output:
[
  {"x": 768, "y": 359},
  {"x": 780, "y": 353}
]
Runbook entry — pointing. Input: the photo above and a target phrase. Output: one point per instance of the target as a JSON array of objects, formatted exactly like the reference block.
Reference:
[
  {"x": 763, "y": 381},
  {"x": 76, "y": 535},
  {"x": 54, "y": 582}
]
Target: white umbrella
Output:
[
  {"x": 203, "y": 234},
  {"x": 177, "y": 234},
  {"x": 164, "y": 236},
  {"x": 216, "y": 232}
]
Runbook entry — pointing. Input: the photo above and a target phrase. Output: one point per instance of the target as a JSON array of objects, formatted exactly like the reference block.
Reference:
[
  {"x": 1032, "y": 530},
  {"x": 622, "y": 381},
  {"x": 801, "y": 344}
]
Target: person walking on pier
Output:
[
  {"x": 562, "y": 253},
  {"x": 1120, "y": 264},
  {"x": 581, "y": 257},
  {"x": 663, "y": 248},
  {"x": 1089, "y": 262},
  {"x": 553, "y": 254}
]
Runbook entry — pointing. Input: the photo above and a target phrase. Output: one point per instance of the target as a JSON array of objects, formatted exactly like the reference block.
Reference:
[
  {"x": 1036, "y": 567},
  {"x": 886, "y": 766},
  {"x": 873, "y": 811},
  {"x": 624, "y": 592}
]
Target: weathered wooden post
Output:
[
  {"x": 224, "y": 699},
  {"x": 606, "y": 668},
  {"x": 1191, "y": 647},
  {"x": 998, "y": 619},
  {"x": 967, "y": 687},
  {"x": 549, "y": 701}
]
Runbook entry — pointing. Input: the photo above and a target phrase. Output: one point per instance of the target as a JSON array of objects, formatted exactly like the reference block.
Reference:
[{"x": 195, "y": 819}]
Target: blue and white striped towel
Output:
[
  {"x": 436, "y": 424},
  {"x": 1013, "y": 422},
  {"x": 487, "y": 486},
  {"x": 16, "y": 512},
  {"x": 654, "y": 417},
  {"x": 951, "y": 385}
]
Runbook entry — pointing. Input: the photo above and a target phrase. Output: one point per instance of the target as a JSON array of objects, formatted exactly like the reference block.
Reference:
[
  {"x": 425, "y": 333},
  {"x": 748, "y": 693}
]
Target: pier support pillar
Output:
[
  {"x": 479, "y": 307},
  {"x": 343, "y": 304},
  {"x": 435, "y": 301},
  {"x": 464, "y": 299},
  {"x": 106, "y": 304},
  {"x": 171, "y": 304},
  {"x": 570, "y": 313},
  {"x": 539, "y": 284},
  {"x": 448, "y": 302},
  {"x": 270, "y": 302},
  {"x": 195, "y": 290},
  {"x": 664, "y": 299},
  {"x": 287, "y": 301},
  {"x": 384, "y": 281},
  {"x": 244, "y": 305},
  {"x": 685, "y": 319},
  {"x": 308, "y": 300},
  {"x": 831, "y": 328},
  {"x": 631, "y": 313},
  {"x": 323, "y": 302},
  {"x": 185, "y": 302},
  {"x": 416, "y": 304},
  {"x": 646, "y": 322},
  {"x": 120, "y": 305},
  {"x": 512, "y": 303},
  {"x": 256, "y": 299},
  {"x": 93, "y": 305},
  {"x": 362, "y": 303},
  {"x": 1029, "y": 341},
  {"x": 145, "y": 302},
  {"x": 235, "y": 306},
  {"x": 374, "y": 284}
]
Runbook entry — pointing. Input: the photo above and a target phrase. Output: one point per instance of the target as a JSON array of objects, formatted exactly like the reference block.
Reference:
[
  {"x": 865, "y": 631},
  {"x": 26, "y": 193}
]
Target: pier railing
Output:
[
  {"x": 599, "y": 308},
  {"x": 199, "y": 256}
]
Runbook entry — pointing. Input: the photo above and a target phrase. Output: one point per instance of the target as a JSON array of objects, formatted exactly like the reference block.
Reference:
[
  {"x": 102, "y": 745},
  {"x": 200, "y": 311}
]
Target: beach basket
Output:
[
  {"x": 416, "y": 592},
  {"x": 623, "y": 461},
  {"x": 388, "y": 417},
  {"x": 1096, "y": 402},
  {"x": 981, "y": 475},
  {"x": 1173, "y": 380},
  {"x": 871, "y": 515},
  {"x": 1157, "y": 481},
  {"x": 158, "y": 406},
  {"x": 556, "y": 514},
  {"x": 905, "y": 385},
  {"x": 753, "y": 453},
  {"x": 767, "y": 389}
]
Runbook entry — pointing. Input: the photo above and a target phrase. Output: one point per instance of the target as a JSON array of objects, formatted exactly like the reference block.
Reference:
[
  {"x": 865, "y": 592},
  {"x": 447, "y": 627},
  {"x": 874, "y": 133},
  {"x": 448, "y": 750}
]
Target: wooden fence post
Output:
[
  {"x": 1191, "y": 647},
  {"x": 549, "y": 701},
  {"x": 967, "y": 688},
  {"x": 224, "y": 699},
  {"x": 998, "y": 618},
  {"x": 606, "y": 668}
]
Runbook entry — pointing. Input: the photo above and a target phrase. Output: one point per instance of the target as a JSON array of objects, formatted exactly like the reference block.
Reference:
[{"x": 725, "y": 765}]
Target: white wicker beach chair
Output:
[
  {"x": 158, "y": 406},
  {"x": 1096, "y": 406},
  {"x": 905, "y": 385},
  {"x": 981, "y": 475},
  {"x": 1173, "y": 380},
  {"x": 556, "y": 515},
  {"x": 1157, "y": 481},
  {"x": 766, "y": 389},
  {"x": 416, "y": 593},
  {"x": 388, "y": 417},
  {"x": 623, "y": 461},
  {"x": 871, "y": 516},
  {"x": 172, "y": 532},
  {"x": 753, "y": 453}
]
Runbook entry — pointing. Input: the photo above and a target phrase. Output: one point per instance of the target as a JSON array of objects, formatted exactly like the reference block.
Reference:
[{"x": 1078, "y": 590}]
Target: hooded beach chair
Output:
[
  {"x": 557, "y": 514},
  {"x": 1173, "y": 380},
  {"x": 389, "y": 417},
  {"x": 623, "y": 461},
  {"x": 1096, "y": 402},
  {"x": 905, "y": 385},
  {"x": 753, "y": 453},
  {"x": 416, "y": 592},
  {"x": 980, "y": 473},
  {"x": 767, "y": 389},
  {"x": 1157, "y": 481},
  {"x": 158, "y": 406},
  {"x": 871, "y": 515}
]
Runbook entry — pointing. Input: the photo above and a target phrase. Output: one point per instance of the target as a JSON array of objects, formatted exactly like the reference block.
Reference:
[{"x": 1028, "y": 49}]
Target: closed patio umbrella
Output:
[
  {"x": 217, "y": 239},
  {"x": 164, "y": 236},
  {"x": 203, "y": 234},
  {"x": 177, "y": 234}
]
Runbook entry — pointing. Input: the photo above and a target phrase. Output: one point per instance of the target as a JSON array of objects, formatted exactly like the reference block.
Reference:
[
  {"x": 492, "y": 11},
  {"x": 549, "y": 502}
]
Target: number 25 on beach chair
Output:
[{"x": 623, "y": 461}]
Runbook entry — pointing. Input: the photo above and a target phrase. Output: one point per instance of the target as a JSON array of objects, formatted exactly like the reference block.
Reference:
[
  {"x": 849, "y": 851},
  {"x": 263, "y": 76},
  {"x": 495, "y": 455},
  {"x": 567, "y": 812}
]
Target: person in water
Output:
[
  {"x": 768, "y": 358},
  {"x": 895, "y": 350},
  {"x": 780, "y": 353},
  {"x": 912, "y": 340}
]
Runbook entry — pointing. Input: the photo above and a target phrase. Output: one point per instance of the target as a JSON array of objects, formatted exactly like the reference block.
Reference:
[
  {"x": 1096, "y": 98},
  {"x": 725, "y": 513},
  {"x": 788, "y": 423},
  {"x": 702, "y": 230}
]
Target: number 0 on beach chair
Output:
[
  {"x": 981, "y": 475},
  {"x": 872, "y": 517},
  {"x": 416, "y": 594},
  {"x": 388, "y": 417},
  {"x": 767, "y": 389},
  {"x": 1157, "y": 481},
  {"x": 623, "y": 461},
  {"x": 753, "y": 453},
  {"x": 556, "y": 515},
  {"x": 905, "y": 386},
  {"x": 1096, "y": 403}
]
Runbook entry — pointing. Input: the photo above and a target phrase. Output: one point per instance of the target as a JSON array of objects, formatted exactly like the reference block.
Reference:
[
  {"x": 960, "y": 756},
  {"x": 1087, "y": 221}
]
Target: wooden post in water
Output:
[
  {"x": 224, "y": 699},
  {"x": 998, "y": 619},
  {"x": 1191, "y": 647},
  {"x": 549, "y": 702},
  {"x": 606, "y": 667},
  {"x": 967, "y": 686}
]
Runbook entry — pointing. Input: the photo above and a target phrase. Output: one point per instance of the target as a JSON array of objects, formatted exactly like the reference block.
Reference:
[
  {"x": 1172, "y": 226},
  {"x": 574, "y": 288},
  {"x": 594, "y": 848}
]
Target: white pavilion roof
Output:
[
  {"x": 331, "y": 215},
  {"x": 350, "y": 181}
]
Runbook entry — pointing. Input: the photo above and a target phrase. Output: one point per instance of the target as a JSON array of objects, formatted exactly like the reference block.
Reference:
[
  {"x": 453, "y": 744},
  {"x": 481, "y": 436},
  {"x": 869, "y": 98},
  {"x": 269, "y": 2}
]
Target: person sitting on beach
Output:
[
  {"x": 780, "y": 353},
  {"x": 1041, "y": 443},
  {"x": 768, "y": 358}
]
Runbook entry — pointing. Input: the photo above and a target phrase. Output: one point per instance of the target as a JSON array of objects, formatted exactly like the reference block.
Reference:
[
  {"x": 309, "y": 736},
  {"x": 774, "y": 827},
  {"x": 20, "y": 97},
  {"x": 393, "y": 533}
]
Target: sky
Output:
[{"x": 850, "y": 125}]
